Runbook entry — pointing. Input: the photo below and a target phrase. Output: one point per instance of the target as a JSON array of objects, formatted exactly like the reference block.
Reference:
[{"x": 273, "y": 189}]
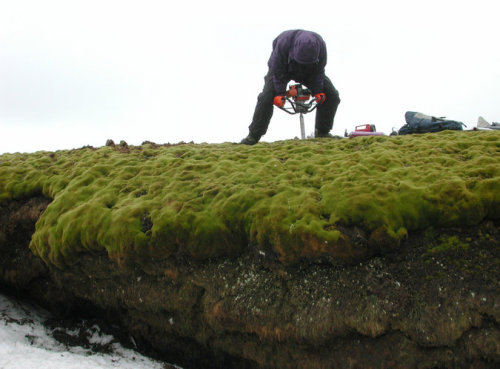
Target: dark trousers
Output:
[{"x": 325, "y": 113}]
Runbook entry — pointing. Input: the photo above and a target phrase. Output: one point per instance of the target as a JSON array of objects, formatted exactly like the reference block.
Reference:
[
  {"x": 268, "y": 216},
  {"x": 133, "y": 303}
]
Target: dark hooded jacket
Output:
[{"x": 300, "y": 56}]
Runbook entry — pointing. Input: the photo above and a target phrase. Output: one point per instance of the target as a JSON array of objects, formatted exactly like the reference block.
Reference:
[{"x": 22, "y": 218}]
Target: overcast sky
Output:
[{"x": 75, "y": 73}]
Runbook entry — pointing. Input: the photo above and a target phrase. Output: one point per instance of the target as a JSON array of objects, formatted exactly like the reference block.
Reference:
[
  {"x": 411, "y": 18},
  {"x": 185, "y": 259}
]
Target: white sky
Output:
[{"x": 75, "y": 73}]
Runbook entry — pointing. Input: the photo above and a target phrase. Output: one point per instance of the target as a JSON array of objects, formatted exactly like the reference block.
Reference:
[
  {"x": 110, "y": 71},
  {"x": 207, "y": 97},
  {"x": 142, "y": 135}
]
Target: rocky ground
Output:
[{"x": 432, "y": 303}]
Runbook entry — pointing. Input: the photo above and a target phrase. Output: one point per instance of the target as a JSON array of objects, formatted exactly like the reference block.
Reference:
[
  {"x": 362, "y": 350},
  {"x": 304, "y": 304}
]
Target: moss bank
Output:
[{"x": 294, "y": 198}]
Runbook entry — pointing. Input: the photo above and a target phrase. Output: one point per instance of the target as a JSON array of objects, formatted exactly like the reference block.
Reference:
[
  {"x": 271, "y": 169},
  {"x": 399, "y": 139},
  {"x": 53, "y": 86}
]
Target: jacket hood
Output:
[{"x": 306, "y": 48}]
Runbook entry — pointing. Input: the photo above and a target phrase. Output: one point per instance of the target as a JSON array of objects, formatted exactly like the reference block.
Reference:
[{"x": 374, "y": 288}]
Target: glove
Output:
[
  {"x": 320, "y": 98},
  {"x": 279, "y": 101}
]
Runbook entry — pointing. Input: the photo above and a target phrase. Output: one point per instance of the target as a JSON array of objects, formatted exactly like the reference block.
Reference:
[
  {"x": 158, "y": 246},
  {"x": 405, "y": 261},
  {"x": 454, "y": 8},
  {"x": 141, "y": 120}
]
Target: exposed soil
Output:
[{"x": 428, "y": 304}]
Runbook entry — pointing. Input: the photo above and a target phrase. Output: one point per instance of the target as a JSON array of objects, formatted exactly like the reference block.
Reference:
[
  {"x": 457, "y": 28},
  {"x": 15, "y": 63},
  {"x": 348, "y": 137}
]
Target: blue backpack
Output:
[{"x": 421, "y": 123}]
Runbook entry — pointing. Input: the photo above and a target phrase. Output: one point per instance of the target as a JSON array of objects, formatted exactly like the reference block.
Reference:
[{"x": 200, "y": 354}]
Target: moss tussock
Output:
[{"x": 291, "y": 197}]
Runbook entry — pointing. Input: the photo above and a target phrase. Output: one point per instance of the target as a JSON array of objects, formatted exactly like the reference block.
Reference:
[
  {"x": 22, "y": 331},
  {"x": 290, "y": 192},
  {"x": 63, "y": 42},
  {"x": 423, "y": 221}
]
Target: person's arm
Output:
[
  {"x": 278, "y": 64},
  {"x": 316, "y": 79}
]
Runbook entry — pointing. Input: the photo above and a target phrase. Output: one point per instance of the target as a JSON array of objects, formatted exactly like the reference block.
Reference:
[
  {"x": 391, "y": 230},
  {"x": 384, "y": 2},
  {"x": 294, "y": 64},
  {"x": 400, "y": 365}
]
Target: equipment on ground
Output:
[
  {"x": 422, "y": 123},
  {"x": 484, "y": 124},
  {"x": 300, "y": 102},
  {"x": 364, "y": 130}
]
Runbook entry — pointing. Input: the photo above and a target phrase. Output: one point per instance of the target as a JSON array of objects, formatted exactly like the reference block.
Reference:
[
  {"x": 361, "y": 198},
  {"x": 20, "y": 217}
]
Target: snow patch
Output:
[{"x": 26, "y": 343}]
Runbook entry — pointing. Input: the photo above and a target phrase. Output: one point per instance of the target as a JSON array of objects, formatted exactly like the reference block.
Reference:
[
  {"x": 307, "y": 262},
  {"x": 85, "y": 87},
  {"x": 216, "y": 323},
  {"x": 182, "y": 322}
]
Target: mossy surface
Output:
[
  {"x": 291, "y": 197},
  {"x": 449, "y": 243}
]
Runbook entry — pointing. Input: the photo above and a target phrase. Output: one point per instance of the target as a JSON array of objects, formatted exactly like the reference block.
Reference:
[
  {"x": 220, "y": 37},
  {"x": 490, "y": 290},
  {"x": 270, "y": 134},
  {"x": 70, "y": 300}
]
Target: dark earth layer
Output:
[{"x": 433, "y": 303}]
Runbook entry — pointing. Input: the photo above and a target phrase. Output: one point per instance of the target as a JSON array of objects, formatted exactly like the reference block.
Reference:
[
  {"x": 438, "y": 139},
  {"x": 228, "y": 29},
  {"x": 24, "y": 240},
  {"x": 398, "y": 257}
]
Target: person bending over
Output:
[{"x": 297, "y": 55}]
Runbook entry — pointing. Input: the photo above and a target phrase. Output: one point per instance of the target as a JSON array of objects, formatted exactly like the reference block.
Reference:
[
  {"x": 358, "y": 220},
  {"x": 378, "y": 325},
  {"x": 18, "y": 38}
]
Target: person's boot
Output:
[
  {"x": 250, "y": 140},
  {"x": 318, "y": 134}
]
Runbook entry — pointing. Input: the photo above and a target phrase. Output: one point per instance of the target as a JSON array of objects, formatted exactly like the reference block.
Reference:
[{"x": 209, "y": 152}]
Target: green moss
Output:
[
  {"x": 292, "y": 197},
  {"x": 448, "y": 243}
]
